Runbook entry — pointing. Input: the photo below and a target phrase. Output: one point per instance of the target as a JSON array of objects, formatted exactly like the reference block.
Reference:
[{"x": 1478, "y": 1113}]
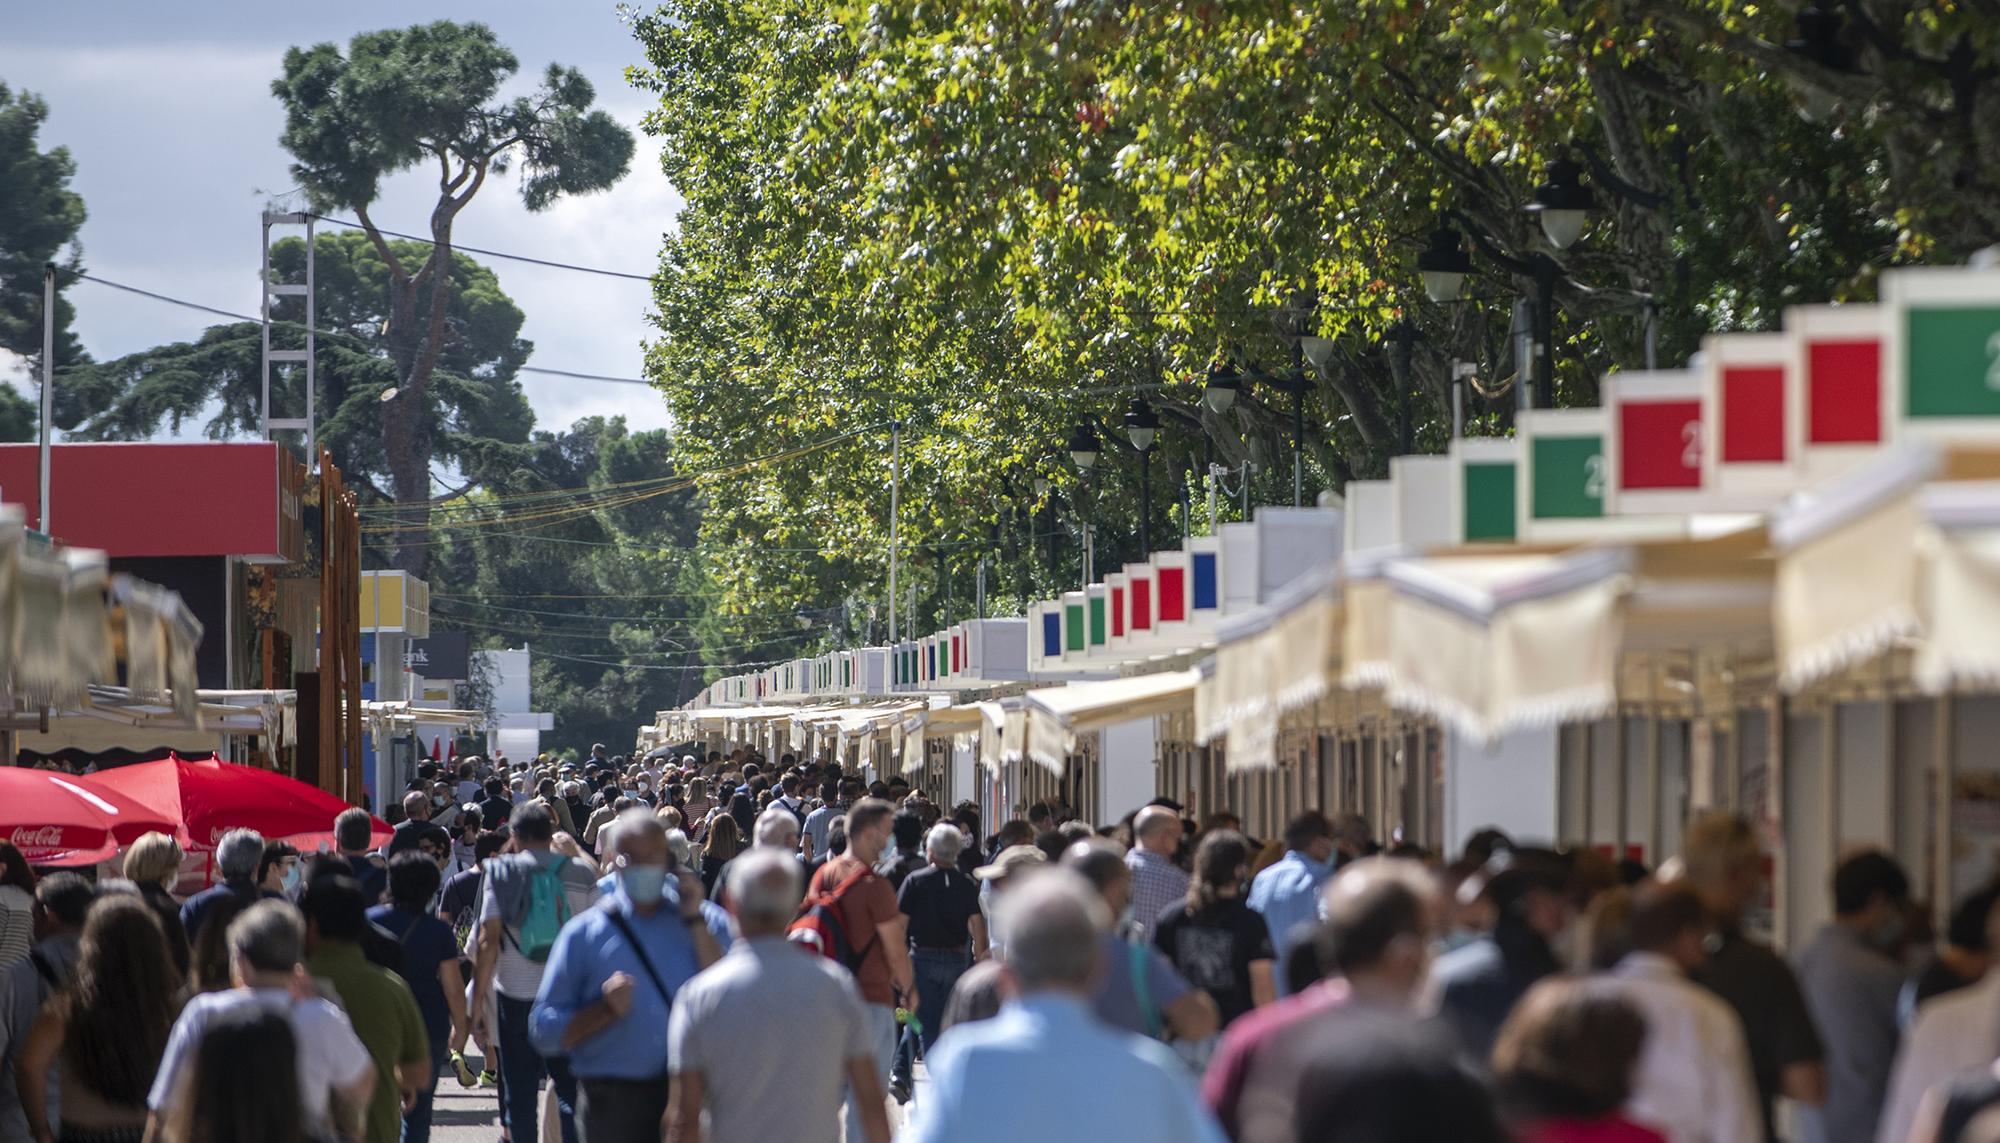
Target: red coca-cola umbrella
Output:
[
  {"x": 208, "y": 798},
  {"x": 55, "y": 819}
]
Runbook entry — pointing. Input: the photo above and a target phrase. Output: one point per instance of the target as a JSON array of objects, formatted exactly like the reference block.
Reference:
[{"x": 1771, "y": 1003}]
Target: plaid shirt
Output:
[{"x": 1157, "y": 885}]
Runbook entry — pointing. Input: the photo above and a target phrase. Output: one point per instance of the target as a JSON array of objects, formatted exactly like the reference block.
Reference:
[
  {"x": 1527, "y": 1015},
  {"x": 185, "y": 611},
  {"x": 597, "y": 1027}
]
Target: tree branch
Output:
[{"x": 381, "y": 245}]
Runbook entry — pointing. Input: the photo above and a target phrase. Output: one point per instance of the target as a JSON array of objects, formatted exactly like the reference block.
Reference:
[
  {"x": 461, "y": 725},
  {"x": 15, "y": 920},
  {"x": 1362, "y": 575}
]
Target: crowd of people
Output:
[{"x": 725, "y": 948}]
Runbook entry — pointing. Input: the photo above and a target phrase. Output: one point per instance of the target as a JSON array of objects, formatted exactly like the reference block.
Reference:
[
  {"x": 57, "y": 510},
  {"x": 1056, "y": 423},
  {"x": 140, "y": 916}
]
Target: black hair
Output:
[
  {"x": 1858, "y": 879},
  {"x": 1967, "y": 927},
  {"x": 66, "y": 896},
  {"x": 413, "y": 881},
  {"x": 336, "y": 906},
  {"x": 490, "y": 843}
]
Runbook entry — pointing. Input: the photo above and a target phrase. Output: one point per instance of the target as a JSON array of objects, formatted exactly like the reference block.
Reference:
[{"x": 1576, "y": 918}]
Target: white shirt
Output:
[
  {"x": 1693, "y": 1080},
  {"x": 1955, "y": 1034},
  {"x": 330, "y": 1055}
]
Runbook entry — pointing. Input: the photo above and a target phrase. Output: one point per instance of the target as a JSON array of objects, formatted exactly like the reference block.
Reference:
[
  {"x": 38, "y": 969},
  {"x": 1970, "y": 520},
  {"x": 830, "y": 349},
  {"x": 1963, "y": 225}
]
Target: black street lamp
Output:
[
  {"x": 1084, "y": 446},
  {"x": 1142, "y": 425},
  {"x": 1564, "y": 206},
  {"x": 1219, "y": 390},
  {"x": 1819, "y": 43}
]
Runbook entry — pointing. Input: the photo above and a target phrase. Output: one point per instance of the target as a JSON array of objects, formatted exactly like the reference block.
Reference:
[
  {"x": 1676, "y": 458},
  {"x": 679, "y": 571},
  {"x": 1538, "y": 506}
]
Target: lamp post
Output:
[
  {"x": 1401, "y": 337},
  {"x": 1142, "y": 426},
  {"x": 1084, "y": 447},
  {"x": 1219, "y": 390},
  {"x": 1563, "y": 205},
  {"x": 1819, "y": 42}
]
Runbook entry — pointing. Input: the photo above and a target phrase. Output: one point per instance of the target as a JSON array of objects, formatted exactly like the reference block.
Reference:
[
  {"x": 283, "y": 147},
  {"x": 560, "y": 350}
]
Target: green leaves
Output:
[{"x": 39, "y": 219}]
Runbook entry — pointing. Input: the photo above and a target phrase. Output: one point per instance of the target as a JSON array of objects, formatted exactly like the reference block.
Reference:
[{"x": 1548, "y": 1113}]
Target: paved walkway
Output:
[{"x": 472, "y": 1116}]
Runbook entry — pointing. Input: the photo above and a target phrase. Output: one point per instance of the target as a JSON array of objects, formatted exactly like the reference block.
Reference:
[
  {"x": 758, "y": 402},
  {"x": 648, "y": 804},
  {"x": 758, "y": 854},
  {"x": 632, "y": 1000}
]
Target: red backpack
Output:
[{"x": 822, "y": 927}]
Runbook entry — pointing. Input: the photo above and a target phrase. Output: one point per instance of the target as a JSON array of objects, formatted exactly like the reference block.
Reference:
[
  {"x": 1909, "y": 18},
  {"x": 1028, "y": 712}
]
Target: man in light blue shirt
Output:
[
  {"x": 1045, "y": 1068},
  {"x": 609, "y": 986},
  {"x": 1286, "y": 893}
]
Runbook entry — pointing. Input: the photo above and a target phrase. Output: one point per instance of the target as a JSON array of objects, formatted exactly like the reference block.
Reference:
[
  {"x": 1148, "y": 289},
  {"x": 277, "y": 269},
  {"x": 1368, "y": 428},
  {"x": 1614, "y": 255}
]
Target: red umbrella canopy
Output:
[
  {"x": 54, "y": 819},
  {"x": 209, "y": 798}
]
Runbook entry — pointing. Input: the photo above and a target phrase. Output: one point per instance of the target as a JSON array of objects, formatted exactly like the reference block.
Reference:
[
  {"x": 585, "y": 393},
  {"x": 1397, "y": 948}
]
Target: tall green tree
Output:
[
  {"x": 39, "y": 219},
  {"x": 995, "y": 219},
  {"x": 400, "y": 99},
  {"x": 473, "y": 409}
]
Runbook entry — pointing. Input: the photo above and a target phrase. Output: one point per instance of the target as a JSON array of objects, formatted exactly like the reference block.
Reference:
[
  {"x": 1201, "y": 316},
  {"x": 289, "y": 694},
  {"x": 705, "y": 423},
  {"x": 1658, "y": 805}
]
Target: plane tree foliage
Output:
[{"x": 992, "y": 219}]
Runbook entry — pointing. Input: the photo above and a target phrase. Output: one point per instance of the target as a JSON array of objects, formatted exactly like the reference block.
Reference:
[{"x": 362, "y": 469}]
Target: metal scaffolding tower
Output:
[{"x": 276, "y": 290}]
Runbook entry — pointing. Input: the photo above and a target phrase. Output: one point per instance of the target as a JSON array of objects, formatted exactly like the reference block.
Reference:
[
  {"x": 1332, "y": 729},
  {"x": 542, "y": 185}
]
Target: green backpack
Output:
[{"x": 548, "y": 910}]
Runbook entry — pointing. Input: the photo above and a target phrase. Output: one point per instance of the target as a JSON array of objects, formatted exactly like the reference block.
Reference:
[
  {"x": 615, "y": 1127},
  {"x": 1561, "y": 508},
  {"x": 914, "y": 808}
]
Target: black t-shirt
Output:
[
  {"x": 939, "y": 903},
  {"x": 495, "y": 812},
  {"x": 1214, "y": 947},
  {"x": 460, "y": 904},
  {"x": 1777, "y": 1026}
]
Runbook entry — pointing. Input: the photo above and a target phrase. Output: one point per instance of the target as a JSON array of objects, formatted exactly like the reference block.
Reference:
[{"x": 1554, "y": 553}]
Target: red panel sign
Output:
[
  {"x": 1659, "y": 445},
  {"x": 1173, "y": 594},
  {"x": 1753, "y": 414},
  {"x": 1118, "y": 611},
  {"x": 957, "y": 653},
  {"x": 1142, "y": 605},
  {"x": 1845, "y": 379},
  {"x": 167, "y": 499}
]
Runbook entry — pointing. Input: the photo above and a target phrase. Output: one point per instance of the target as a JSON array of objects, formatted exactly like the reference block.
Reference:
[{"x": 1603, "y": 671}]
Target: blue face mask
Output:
[
  {"x": 645, "y": 884},
  {"x": 291, "y": 879}
]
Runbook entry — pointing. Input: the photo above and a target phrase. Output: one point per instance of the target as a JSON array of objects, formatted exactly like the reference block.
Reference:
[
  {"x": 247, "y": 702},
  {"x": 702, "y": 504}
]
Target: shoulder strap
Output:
[
  {"x": 1135, "y": 959},
  {"x": 45, "y": 970},
  {"x": 624, "y": 927}
]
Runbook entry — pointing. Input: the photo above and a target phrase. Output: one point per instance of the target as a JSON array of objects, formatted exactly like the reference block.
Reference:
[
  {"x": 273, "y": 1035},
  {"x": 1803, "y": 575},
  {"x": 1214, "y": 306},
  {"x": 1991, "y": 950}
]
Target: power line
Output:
[
  {"x": 186, "y": 304},
  {"x": 551, "y": 264}
]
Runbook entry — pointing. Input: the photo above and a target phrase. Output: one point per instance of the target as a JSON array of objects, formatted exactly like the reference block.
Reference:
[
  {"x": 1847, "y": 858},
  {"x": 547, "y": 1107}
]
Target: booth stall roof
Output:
[{"x": 1056, "y": 715}]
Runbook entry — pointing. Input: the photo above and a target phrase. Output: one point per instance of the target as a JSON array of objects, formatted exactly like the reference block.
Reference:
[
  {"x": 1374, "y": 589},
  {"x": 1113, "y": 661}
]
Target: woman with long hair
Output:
[
  {"x": 245, "y": 1083},
  {"x": 208, "y": 967},
  {"x": 153, "y": 863},
  {"x": 694, "y": 812},
  {"x": 17, "y": 905},
  {"x": 745, "y": 812},
  {"x": 1214, "y": 939},
  {"x": 724, "y": 842},
  {"x": 106, "y": 1032}
]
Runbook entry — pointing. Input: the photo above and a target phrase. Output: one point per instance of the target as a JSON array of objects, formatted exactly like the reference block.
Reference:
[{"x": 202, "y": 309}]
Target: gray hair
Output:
[
  {"x": 268, "y": 936},
  {"x": 1052, "y": 922},
  {"x": 635, "y": 823},
  {"x": 765, "y": 886},
  {"x": 944, "y": 843},
  {"x": 1098, "y": 861},
  {"x": 238, "y": 854},
  {"x": 777, "y": 827},
  {"x": 682, "y": 849}
]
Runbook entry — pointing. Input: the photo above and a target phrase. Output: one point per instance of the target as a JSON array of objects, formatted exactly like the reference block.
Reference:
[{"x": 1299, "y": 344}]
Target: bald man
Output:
[{"x": 1157, "y": 883}]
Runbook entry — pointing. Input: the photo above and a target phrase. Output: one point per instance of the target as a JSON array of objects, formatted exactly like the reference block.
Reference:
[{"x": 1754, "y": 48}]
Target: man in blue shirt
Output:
[
  {"x": 1046, "y": 1059},
  {"x": 609, "y": 985},
  {"x": 1286, "y": 894}
]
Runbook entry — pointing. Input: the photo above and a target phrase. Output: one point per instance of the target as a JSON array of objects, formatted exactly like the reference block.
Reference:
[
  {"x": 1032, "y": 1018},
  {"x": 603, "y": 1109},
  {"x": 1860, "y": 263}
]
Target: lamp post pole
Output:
[{"x": 48, "y": 388}]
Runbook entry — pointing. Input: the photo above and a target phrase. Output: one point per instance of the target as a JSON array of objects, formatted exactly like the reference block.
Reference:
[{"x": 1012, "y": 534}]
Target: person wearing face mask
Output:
[
  {"x": 608, "y": 988},
  {"x": 1481, "y": 982},
  {"x": 1852, "y": 975},
  {"x": 278, "y": 872},
  {"x": 1139, "y": 990}
]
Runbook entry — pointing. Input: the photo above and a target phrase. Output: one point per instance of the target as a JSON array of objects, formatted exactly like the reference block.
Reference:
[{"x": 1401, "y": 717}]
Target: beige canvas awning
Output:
[
  {"x": 1282, "y": 657},
  {"x": 1056, "y": 715},
  {"x": 1903, "y": 552}
]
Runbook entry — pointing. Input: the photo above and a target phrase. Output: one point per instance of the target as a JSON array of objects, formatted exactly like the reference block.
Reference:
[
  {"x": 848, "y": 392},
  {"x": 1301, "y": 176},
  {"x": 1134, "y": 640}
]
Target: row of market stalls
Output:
[{"x": 1769, "y": 581}]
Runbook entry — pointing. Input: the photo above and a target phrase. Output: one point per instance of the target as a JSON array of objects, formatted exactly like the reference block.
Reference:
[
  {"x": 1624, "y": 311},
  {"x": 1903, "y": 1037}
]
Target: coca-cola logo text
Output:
[{"x": 44, "y": 837}]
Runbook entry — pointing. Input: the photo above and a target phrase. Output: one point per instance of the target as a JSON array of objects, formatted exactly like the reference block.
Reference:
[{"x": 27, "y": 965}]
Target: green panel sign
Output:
[
  {"x": 1073, "y": 626},
  {"x": 1489, "y": 501},
  {"x": 1569, "y": 478},
  {"x": 1097, "y": 621},
  {"x": 1952, "y": 354}
]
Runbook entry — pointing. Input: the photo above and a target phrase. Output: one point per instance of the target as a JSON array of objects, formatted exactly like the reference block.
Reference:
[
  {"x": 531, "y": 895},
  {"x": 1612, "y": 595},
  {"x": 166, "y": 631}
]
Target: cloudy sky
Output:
[{"x": 168, "y": 113}]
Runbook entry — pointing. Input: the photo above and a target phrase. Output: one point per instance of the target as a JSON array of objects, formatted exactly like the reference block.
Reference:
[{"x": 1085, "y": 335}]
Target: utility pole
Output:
[{"x": 48, "y": 387}]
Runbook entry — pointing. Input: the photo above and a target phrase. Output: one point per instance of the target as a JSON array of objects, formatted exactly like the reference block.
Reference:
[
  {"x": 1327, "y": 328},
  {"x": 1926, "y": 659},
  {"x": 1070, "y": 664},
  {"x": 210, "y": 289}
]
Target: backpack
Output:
[
  {"x": 821, "y": 927},
  {"x": 546, "y": 912}
]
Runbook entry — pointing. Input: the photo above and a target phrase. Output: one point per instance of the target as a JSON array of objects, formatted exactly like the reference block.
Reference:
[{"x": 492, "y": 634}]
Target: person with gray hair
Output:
[
  {"x": 336, "y": 1073},
  {"x": 237, "y": 858},
  {"x": 947, "y": 930},
  {"x": 733, "y": 1040},
  {"x": 1047, "y": 1042},
  {"x": 777, "y": 828},
  {"x": 1158, "y": 885}
]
